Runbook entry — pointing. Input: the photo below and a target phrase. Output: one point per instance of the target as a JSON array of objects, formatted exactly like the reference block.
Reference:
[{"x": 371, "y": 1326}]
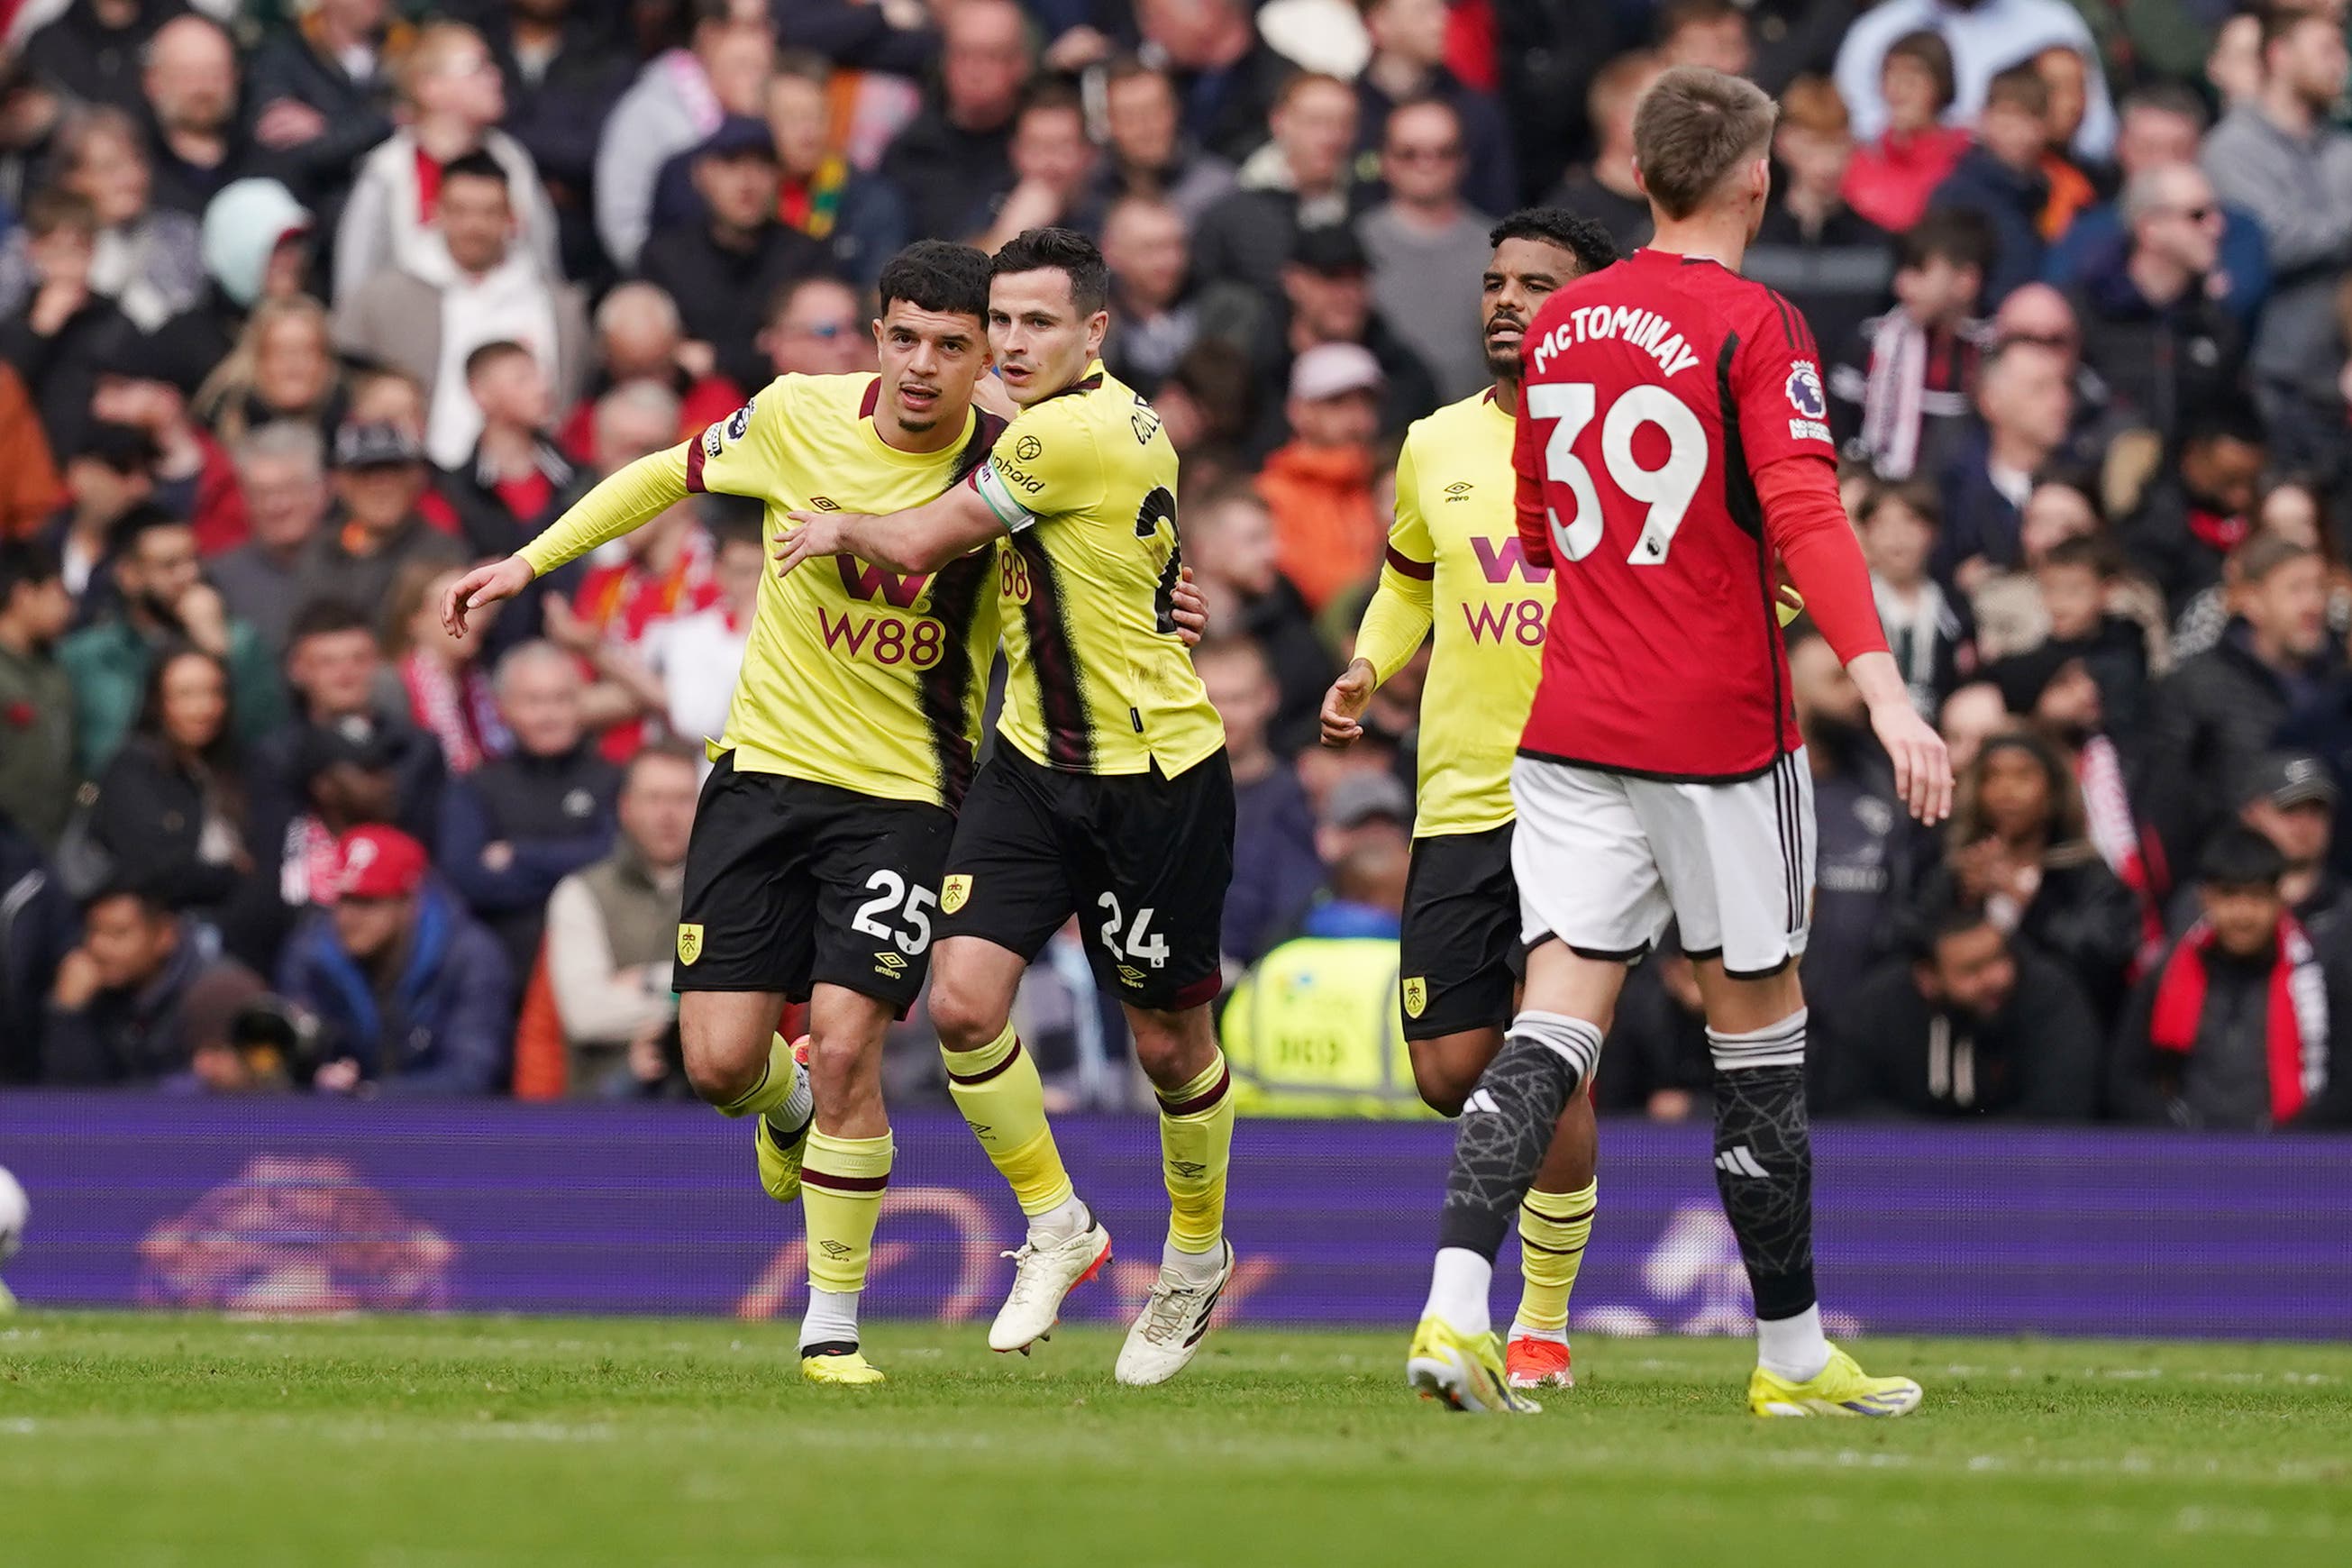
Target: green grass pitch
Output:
[{"x": 131, "y": 1440}]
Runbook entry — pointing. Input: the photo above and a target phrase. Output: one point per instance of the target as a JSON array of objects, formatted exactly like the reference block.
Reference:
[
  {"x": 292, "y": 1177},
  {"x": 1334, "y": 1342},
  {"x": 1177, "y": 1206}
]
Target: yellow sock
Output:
[
  {"x": 1196, "y": 1145},
  {"x": 842, "y": 1182},
  {"x": 777, "y": 1080},
  {"x": 1553, "y": 1229},
  {"x": 1000, "y": 1094}
]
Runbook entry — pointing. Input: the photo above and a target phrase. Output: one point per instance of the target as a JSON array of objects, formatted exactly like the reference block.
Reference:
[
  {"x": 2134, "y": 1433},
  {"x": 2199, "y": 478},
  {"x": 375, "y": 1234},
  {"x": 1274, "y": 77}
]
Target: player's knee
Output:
[
  {"x": 721, "y": 1067},
  {"x": 1172, "y": 1050},
  {"x": 965, "y": 1018},
  {"x": 1442, "y": 1090}
]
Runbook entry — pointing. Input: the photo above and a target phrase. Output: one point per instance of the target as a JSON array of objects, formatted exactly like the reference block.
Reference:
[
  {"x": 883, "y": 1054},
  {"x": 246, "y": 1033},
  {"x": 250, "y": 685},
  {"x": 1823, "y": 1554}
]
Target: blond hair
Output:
[
  {"x": 220, "y": 402},
  {"x": 1692, "y": 129}
]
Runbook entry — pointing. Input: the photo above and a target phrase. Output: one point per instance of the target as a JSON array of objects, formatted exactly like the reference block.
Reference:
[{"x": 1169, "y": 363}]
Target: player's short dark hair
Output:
[
  {"x": 1580, "y": 236},
  {"x": 936, "y": 275},
  {"x": 326, "y": 618},
  {"x": 2237, "y": 859},
  {"x": 1692, "y": 128},
  {"x": 2019, "y": 87},
  {"x": 477, "y": 164},
  {"x": 490, "y": 353},
  {"x": 1926, "y": 49},
  {"x": 1959, "y": 235},
  {"x": 1062, "y": 250},
  {"x": 27, "y": 563}
]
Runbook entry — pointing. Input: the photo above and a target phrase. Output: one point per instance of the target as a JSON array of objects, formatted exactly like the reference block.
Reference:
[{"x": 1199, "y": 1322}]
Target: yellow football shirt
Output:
[
  {"x": 1455, "y": 555},
  {"x": 854, "y": 675},
  {"x": 1084, "y": 482}
]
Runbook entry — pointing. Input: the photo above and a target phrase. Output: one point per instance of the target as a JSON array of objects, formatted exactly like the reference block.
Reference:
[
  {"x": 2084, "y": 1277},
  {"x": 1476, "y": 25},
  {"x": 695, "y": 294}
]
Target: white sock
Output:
[
  {"x": 1458, "y": 1288},
  {"x": 791, "y": 1119},
  {"x": 832, "y": 1317},
  {"x": 1794, "y": 1347},
  {"x": 1520, "y": 1330},
  {"x": 1064, "y": 1220},
  {"x": 1192, "y": 1267}
]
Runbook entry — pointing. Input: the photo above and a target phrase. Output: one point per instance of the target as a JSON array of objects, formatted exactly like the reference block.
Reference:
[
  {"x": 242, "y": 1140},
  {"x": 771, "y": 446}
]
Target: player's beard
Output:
[{"x": 1503, "y": 365}]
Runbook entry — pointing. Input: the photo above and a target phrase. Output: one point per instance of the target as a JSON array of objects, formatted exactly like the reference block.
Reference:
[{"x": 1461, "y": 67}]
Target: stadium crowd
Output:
[{"x": 302, "y": 310}]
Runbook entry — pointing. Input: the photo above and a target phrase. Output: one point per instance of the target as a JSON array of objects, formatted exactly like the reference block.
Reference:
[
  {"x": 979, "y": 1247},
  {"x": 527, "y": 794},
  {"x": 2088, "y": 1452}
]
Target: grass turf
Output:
[{"x": 129, "y": 1441}]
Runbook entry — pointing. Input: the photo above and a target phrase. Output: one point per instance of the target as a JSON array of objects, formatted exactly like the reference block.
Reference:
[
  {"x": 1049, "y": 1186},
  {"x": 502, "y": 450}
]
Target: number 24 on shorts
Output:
[{"x": 1141, "y": 941}]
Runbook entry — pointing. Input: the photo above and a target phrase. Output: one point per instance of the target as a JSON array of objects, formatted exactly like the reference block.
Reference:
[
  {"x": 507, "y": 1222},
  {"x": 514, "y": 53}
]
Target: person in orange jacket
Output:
[{"x": 1320, "y": 487}]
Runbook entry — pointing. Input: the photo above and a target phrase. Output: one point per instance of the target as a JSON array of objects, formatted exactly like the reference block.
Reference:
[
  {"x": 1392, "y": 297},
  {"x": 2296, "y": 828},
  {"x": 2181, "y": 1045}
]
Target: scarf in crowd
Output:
[
  {"x": 2296, "y": 1034},
  {"x": 2220, "y": 533},
  {"x": 2135, "y": 858},
  {"x": 458, "y": 710},
  {"x": 310, "y": 865},
  {"x": 1913, "y": 375},
  {"x": 813, "y": 206}
]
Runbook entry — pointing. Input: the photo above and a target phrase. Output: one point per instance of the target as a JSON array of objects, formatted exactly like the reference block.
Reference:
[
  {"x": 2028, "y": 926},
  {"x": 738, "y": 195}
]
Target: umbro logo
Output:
[
  {"x": 1741, "y": 1161},
  {"x": 824, "y": 504},
  {"x": 832, "y": 1249},
  {"x": 888, "y": 963},
  {"x": 1459, "y": 490},
  {"x": 1480, "y": 1100},
  {"x": 1187, "y": 1170}
]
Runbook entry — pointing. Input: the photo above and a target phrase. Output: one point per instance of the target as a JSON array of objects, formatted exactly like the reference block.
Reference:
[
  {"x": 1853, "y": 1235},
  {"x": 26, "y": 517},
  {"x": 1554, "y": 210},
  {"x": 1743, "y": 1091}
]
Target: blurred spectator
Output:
[
  {"x": 148, "y": 260},
  {"x": 1275, "y": 869},
  {"x": 1226, "y": 75},
  {"x": 330, "y": 777},
  {"x": 1327, "y": 288},
  {"x": 281, "y": 470},
  {"x": 1895, "y": 172},
  {"x": 2217, "y": 713},
  {"x": 2018, "y": 844},
  {"x": 257, "y": 249},
  {"x": 472, "y": 287},
  {"x": 1426, "y": 248},
  {"x": 2010, "y": 617},
  {"x": 2196, "y": 512},
  {"x": 562, "y": 75},
  {"x": 723, "y": 270},
  {"x": 2076, "y": 580},
  {"x": 451, "y": 103},
  {"x": 1320, "y": 487},
  {"x": 322, "y": 95},
  {"x": 1927, "y": 629},
  {"x": 2167, "y": 348},
  {"x": 1300, "y": 181},
  {"x": 612, "y": 932},
  {"x": 2233, "y": 64},
  {"x": 38, "y": 926},
  {"x": 815, "y": 326},
  {"x": 450, "y": 695},
  {"x": 282, "y": 368},
  {"x": 1604, "y": 191},
  {"x": 2280, "y": 158},
  {"x": 1834, "y": 264},
  {"x": 380, "y": 476},
  {"x": 2001, "y": 179},
  {"x": 2241, "y": 1027},
  {"x": 2038, "y": 314},
  {"x": 857, "y": 216},
  {"x": 1052, "y": 168},
  {"x": 517, "y": 826},
  {"x": 2065, "y": 77},
  {"x": 696, "y": 656},
  {"x": 92, "y": 50},
  {"x": 1209, "y": 407},
  {"x": 1868, "y": 856},
  {"x": 1985, "y": 38},
  {"x": 110, "y": 473},
  {"x": 140, "y": 1002},
  {"x": 417, "y": 998},
  {"x": 37, "y": 700},
  {"x": 1231, "y": 542},
  {"x": 335, "y": 669},
  {"x": 1148, "y": 155},
  {"x": 2290, "y": 798},
  {"x": 163, "y": 599},
  {"x": 196, "y": 147},
  {"x": 679, "y": 100},
  {"x": 1971, "y": 1025},
  {"x": 55, "y": 328},
  {"x": 665, "y": 571},
  {"x": 2026, "y": 402},
  {"x": 516, "y": 481},
  {"x": 630, "y": 421},
  {"x": 171, "y": 808},
  {"x": 956, "y": 154},
  {"x": 640, "y": 337},
  {"x": 1408, "y": 65},
  {"x": 1971, "y": 715},
  {"x": 1899, "y": 387},
  {"x": 2163, "y": 125},
  {"x": 1154, "y": 316},
  {"x": 30, "y": 488}
]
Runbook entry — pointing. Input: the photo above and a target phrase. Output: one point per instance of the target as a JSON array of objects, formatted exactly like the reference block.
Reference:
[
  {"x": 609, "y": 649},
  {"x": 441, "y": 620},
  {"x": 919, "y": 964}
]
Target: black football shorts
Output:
[{"x": 1461, "y": 958}]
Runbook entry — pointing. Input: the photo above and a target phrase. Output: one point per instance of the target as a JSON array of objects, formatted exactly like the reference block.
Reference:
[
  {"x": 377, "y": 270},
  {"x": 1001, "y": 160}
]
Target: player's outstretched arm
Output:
[
  {"x": 922, "y": 540},
  {"x": 622, "y": 502},
  {"x": 481, "y": 588}
]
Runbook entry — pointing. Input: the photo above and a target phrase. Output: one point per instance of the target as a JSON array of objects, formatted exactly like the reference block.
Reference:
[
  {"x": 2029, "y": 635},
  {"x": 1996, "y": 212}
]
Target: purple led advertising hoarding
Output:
[{"x": 303, "y": 1205}]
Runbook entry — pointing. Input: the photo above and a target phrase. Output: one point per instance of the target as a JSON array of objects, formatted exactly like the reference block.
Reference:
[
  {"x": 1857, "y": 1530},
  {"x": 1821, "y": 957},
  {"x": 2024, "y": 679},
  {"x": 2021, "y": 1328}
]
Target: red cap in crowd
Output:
[{"x": 380, "y": 863}]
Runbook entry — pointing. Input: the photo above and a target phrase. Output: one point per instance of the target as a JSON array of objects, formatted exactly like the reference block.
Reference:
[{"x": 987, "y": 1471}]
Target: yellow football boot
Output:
[
  {"x": 1842, "y": 1388},
  {"x": 780, "y": 1157},
  {"x": 842, "y": 1369},
  {"x": 1466, "y": 1371}
]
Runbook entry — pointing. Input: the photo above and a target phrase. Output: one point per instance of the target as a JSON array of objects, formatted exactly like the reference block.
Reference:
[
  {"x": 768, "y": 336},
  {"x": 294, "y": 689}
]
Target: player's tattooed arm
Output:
[{"x": 922, "y": 540}]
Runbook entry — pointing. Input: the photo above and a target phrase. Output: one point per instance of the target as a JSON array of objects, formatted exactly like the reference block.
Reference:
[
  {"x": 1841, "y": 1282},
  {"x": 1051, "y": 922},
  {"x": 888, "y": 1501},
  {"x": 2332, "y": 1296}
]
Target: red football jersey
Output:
[{"x": 1654, "y": 392}]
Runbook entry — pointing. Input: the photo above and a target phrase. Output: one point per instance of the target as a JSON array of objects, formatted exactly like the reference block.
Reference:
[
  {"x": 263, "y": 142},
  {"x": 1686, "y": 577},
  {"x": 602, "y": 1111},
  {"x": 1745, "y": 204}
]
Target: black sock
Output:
[
  {"x": 1506, "y": 1125},
  {"x": 1764, "y": 1161}
]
